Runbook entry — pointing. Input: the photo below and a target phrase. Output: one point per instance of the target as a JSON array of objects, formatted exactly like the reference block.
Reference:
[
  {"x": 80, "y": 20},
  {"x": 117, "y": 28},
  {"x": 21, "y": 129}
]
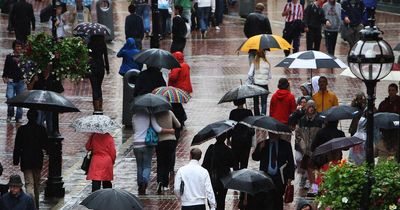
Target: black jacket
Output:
[
  {"x": 148, "y": 80},
  {"x": 134, "y": 26},
  {"x": 11, "y": 68},
  {"x": 51, "y": 83},
  {"x": 324, "y": 135},
  {"x": 30, "y": 141},
  {"x": 22, "y": 15},
  {"x": 256, "y": 23},
  {"x": 241, "y": 134},
  {"x": 179, "y": 29},
  {"x": 314, "y": 16},
  {"x": 22, "y": 202}
]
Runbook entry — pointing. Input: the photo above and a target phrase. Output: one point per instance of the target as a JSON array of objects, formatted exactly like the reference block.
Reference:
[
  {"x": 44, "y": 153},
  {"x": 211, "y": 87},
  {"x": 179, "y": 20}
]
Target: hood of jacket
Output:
[
  {"x": 307, "y": 86},
  {"x": 179, "y": 56},
  {"x": 130, "y": 44},
  {"x": 282, "y": 94}
]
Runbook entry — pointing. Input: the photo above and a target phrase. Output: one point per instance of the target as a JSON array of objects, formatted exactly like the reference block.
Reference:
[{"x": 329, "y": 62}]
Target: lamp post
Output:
[
  {"x": 155, "y": 16},
  {"x": 370, "y": 59}
]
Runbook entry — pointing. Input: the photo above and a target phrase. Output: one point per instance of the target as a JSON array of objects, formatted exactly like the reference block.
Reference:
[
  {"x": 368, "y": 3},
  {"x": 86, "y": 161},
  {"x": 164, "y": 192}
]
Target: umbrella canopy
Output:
[
  {"x": 394, "y": 75},
  {"x": 337, "y": 143},
  {"x": 249, "y": 181},
  {"x": 213, "y": 130},
  {"x": 116, "y": 199},
  {"x": 91, "y": 29},
  {"x": 151, "y": 103},
  {"x": 387, "y": 120},
  {"x": 95, "y": 124},
  {"x": 397, "y": 48},
  {"x": 267, "y": 123},
  {"x": 43, "y": 100},
  {"x": 157, "y": 58},
  {"x": 243, "y": 91},
  {"x": 172, "y": 94},
  {"x": 340, "y": 112},
  {"x": 265, "y": 42},
  {"x": 311, "y": 60}
]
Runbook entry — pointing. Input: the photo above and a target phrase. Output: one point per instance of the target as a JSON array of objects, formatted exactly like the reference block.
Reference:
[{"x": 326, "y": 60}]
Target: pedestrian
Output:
[
  {"x": 293, "y": 13},
  {"x": 61, "y": 21},
  {"x": 148, "y": 80},
  {"x": 143, "y": 10},
  {"x": 127, "y": 52},
  {"x": 241, "y": 135},
  {"x": 22, "y": 18},
  {"x": 359, "y": 102},
  {"x": 98, "y": 66},
  {"x": 179, "y": 31},
  {"x": 276, "y": 159},
  {"x": 193, "y": 185},
  {"x": 333, "y": 12},
  {"x": 142, "y": 121},
  {"x": 314, "y": 18},
  {"x": 218, "y": 161},
  {"x": 134, "y": 27},
  {"x": 30, "y": 141},
  {"x": 392, "y": 102},
  {"x": 13, "y": 77},
  {"x": 165, "y": 149},
  {"x": 282, "y": 103},
  {"x": 352, "y": 16},
  {"x": 203, "y": 14},
  {"x": 259, "y": 74},
  {"x": 306, "y": 91},
  {"x": 195, "y": 23},
  {"x": 219, "y": 13},
  {"x": 187, "y": 9},
  {"x": 256, "y": 23},
  {"x": 102, "y": 161},
  {"x": 163, "y": 8},
  {"x": 78, "y": 14},
  {"x": 324, "y": 99},
  {"x": 16, "y": 199}
]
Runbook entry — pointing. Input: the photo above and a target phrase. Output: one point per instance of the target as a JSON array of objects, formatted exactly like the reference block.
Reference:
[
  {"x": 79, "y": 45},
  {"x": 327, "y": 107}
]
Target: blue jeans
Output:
[
  {"x": 202, "y": 15},
  {"x": 144, "y": 12},
  {"x": 143, "y": 161},
  {"x": 13, "y": 89}
]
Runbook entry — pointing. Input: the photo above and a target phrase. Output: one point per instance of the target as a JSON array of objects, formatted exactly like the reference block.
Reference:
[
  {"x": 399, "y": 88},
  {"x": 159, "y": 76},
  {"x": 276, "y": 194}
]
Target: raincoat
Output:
[
  {"x": 180, "y": 77},
  {"x": 282, "y": 105},
  {"x": 103, "y": 157},
  {"x": 126, "y": 53}
]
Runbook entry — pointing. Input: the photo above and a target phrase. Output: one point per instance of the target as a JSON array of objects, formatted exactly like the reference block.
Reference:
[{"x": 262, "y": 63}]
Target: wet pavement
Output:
[{"x": 215, "y": 68}]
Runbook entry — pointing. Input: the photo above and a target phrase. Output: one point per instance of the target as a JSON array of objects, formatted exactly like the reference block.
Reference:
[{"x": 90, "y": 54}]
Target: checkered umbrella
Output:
[
  {"x": 95, "y": 124},
  {"x": 311, "y": 60},
  {"x": 173, "y": 94},
  {"x": 91, "y": 29}
]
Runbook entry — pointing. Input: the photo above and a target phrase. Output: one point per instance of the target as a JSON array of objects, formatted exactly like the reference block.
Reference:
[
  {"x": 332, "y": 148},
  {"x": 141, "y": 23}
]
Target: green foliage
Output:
[
  {"x": 342, "y": 186},
  {"x": 69, "y": 56}
]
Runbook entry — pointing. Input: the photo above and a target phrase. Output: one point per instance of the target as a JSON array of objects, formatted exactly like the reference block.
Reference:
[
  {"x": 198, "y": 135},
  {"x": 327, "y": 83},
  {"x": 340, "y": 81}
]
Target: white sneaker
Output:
[{"x": 217, "y": 28}]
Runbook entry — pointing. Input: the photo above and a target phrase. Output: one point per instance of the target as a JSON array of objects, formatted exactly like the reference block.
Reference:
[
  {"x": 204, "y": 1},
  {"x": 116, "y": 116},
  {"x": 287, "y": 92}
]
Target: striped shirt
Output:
[{"x": 296, "y": 12}]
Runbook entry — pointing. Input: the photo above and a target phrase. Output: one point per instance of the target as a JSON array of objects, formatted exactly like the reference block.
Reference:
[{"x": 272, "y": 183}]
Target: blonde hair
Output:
[{"x": 261, "y": 55}]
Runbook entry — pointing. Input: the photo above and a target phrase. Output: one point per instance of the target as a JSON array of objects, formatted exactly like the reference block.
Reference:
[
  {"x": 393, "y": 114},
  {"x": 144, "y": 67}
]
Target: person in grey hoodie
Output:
[{"x": 332, "y": 10}]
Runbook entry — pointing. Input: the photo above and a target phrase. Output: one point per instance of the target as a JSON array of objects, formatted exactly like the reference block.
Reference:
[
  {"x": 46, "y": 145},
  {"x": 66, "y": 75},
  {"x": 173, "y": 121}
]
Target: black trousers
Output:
[
  {"x": 330, "y": 41},
  {"x": 240, "y": 157},
  {"x": 196, "y": 207},
  {"x": 275, "y": 196},
  {"x": 178, "y": 44},
  {"x": 165, "y": 155},
  {"x": 97, "y": 184},
  {"x": 164, "y": 15},
  {"x": 313, "y": 39},
  {"x": 96, "y": 80},
  {"x": 220, "y": 195}
]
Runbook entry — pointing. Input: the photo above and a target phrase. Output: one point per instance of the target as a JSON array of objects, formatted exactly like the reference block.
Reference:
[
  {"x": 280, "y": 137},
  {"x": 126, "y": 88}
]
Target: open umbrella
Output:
[
  {"x": 43, "y": 100},
  {"x": 265, "y": 42},
  {"x": 116, "y": 199},
  {"x": 387, "y": 120},
  {"x": 91, "y": 29},
  {"x": 243, "y": 91},
  {"x": 340, "y": 112},
  {"x": 311, "y": 60},
  {"x": 397, "y": 48},
  {"x": 157, "y": 58},
  {"x": 337, "y": 143},
  {"x": 95, "y": 124},
  {"x": 394, "y": 75},
  {"x": 267, "y": 123},
  {"x": 151, "y": 103},
  {"x": 213, "y": 130},
  {"x": 248, "y": 180},
  {"x": 172, "y": 94}
]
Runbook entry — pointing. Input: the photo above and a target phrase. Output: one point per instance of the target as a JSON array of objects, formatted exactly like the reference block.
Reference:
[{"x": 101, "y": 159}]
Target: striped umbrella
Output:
[
  {"x": 265, "y": 42},
  {"x": 173, "y": 94}
]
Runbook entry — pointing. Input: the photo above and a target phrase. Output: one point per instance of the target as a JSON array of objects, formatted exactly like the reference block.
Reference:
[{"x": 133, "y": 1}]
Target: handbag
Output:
[
  {"x": 87, "y": 159},
  {"x": 151, "y": 137},
  {"x": 289, "y": 193}
]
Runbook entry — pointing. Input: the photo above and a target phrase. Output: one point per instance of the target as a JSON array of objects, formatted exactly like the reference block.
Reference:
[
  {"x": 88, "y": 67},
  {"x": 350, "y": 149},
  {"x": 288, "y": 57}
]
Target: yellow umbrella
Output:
[{"x": 265, "y": 42}]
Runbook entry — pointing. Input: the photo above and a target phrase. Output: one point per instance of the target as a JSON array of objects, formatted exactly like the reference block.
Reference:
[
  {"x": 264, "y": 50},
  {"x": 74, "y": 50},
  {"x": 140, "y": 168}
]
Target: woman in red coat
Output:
[
  {"x": 180, "y": 77},
  {"x": 103, "y": 159}
]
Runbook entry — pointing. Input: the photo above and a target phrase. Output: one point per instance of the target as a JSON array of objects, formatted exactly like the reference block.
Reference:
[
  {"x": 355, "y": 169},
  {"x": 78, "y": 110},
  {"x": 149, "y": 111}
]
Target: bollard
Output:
[
  {"x": 105, "y": 16},
  {"x": 127, "y": 98}
]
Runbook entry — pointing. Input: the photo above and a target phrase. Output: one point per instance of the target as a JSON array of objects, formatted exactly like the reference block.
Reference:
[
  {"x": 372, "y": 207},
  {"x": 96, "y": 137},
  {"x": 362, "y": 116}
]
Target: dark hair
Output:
[
  {"x": 239, "y": 102},
  {"x": 332, "y": 124},
  {"x": 132, "y": 8},
  {"x": 195, "y": 153},
  {"x": 393, "y": 85},
  {"x": 179, "y": 9},
  {"x": 32, "y": 115},
  {"x": 283, "y": 83},
  {"x": 323, "y": 77},
  {"x": 17, "y": 42}
]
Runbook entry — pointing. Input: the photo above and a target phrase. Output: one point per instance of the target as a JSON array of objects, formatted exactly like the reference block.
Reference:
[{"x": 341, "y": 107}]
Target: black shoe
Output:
[{"x": 159, "y": 189}]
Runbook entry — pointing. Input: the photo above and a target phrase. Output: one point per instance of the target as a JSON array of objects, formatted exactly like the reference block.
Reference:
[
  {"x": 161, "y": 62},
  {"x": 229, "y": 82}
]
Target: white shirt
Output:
[
  {"x": 141, "y": 123},
  {"x": 197, "y": 185}
]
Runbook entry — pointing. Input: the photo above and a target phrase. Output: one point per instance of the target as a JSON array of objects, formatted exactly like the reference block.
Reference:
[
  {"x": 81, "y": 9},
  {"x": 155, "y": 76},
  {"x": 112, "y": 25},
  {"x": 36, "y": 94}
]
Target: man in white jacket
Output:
[
  {"x": 193, "y": 184},
  {"x": 203, "y": 13}
]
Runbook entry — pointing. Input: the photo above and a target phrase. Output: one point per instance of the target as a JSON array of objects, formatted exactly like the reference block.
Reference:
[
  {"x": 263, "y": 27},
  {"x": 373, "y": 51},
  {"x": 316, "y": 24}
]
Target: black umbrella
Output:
[
  {"x": 397, "y": 48},
  {"x": 213, "y": 130},
  {"x": 157, "y": 58},
  {"x": 151, "y": 103},
  {"x": 249, "y": 181},
  {"x": 386, "y": 120},
  {"x": 43, "y": 100},
  {"x": 87, "y": 29},
  {"x": 337, "y": 143},
  {"x": 116, "y": 199},
  {"x": 267, "y": 123},
  {"x": 340, "y": 112},
  {"x": 243, "y": 91}
]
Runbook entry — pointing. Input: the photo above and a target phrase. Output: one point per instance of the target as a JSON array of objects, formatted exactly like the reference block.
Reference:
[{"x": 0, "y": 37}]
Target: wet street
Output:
[{"x": 216, "y": 67}]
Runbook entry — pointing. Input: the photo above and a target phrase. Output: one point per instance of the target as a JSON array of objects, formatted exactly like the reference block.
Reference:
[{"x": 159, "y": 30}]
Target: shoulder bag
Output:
[{"x": 87, "y": 159}]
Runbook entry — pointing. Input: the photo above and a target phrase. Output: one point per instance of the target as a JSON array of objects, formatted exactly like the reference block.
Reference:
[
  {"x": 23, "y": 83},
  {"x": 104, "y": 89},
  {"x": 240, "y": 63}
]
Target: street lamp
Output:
[
  {"x": 155, "y": 37},
  {"x": 370, "y": 59}
]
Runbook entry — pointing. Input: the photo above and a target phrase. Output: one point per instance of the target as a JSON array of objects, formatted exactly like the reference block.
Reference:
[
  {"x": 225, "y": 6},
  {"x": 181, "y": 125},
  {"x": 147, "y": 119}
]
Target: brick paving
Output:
[{"x": 215, "y": 68}]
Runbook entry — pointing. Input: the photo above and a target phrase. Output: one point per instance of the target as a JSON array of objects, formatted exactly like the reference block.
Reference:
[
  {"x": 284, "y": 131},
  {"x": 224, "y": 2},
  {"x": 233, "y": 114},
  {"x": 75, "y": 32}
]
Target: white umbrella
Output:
[
  {"x": 394, "y": 75},
  {"x": 311, "y": 60},
  {"x": 95, "y": 124}
]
